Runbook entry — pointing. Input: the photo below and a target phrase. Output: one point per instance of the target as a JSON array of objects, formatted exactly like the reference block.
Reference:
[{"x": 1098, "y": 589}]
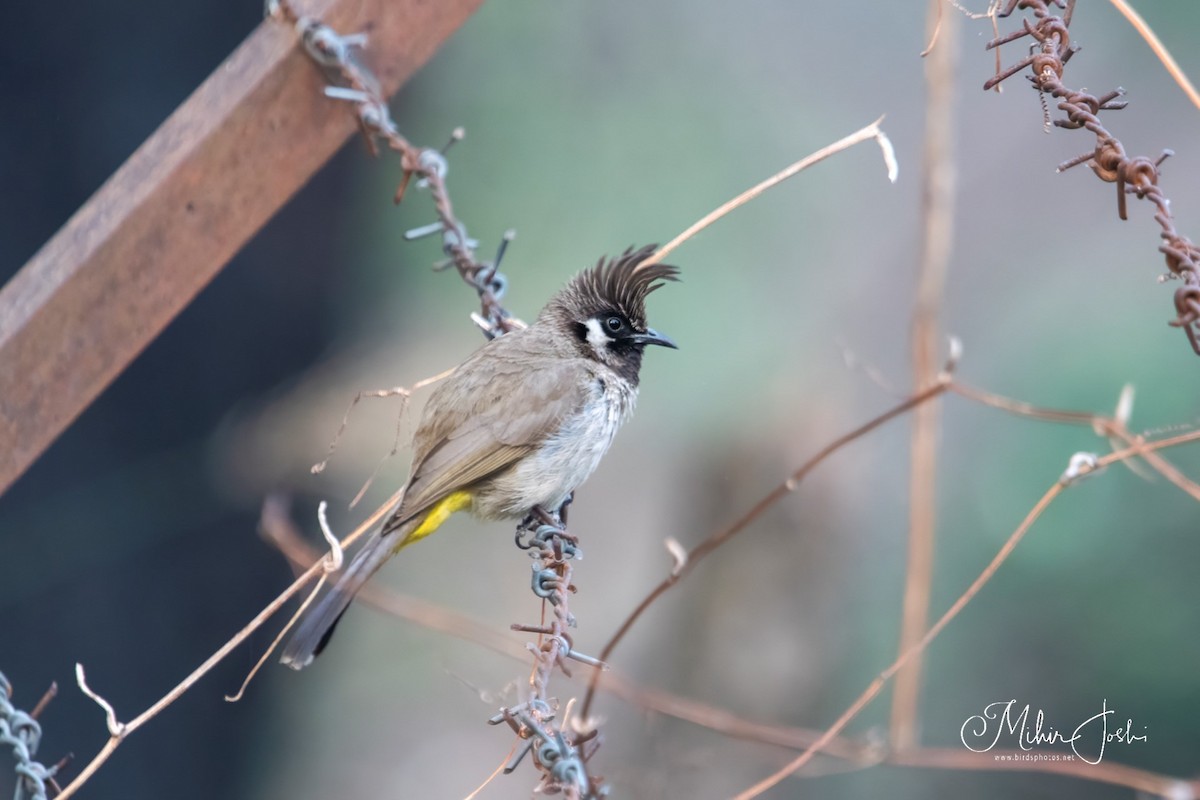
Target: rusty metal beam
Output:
[{"x": 183, "y": 204}]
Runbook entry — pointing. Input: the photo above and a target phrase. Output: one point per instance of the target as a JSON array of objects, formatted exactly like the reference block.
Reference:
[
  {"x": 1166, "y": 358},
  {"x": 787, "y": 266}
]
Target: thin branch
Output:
[
  {"x": 872, "y": 131},
  {"x": 1143, "y": 448},
  {"x": 1105, "y": 426},
  {"x": 1077, "y": 471},
  {"x": 495, "y": 772},
  {"x": 403, "y": 392},
  {"x": 331, "y": 564},
  {"x": 116, "y": 728},
  {"x": 937, "y": 237},
  {"x": 1160, "y": 50},
  {"x": 935, "y": 26},
  {"x": 284, "y": 535},
  {"x": 125, "y": 729},
  {"x": 715, "y": 540},
  {"x": 1105, "y": 772},
  {"x": 281, "y": 532},
  {"x": 865, "y": 755},
  {"x": 877, "y": 685}
]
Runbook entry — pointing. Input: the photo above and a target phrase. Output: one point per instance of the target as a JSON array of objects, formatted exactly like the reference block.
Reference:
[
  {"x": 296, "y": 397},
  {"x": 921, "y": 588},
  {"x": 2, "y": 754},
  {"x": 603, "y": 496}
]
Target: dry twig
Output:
[
  {"x": 1081, "y": 466},
  {"x": 858, "y": 754},
  {"x": 119, "y": 731},
  {"x": 872, "y": 131},
  {"x": 718, "y": 538},
  {"x": 1160, "y": 50},
  {"x": 937, "y": 236}
]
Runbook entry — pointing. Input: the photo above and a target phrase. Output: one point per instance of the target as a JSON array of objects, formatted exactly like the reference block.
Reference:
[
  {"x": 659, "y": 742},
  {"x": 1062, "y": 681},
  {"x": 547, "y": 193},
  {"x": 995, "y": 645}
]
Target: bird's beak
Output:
[{"x": 652, "y": 336}]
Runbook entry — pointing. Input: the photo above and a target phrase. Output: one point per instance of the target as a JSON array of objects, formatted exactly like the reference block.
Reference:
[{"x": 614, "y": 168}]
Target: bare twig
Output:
[
  {"x": 331, "y": 563},
  {"x": 279, "y": 530},
  {"x": 496, "y": 772},
  {"x": 993, "y": 9},
  {"x": 1160, "y": 50},
  {"x": 934, "y": 26},
  {"x": 1139, "y": 780},
  {"x": 1078, "y": 469},
  {"x": 116, "y": 728},
  {"x": 405, "y": 394},
  {"x": 282, "y": 533},
  {"x": 718, "y": 538},
  {"x": 877, "y": 685},
  {"x": 121, "y": 731},
  {"x": 872, "y": 131},
  {"x": 864, "y": 754},
  {"x": 937, "y": 236},
  {"x": 1111, "y": 427}
]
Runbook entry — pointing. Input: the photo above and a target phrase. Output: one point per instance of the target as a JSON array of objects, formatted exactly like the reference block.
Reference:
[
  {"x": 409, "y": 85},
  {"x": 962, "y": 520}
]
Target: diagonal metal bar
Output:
[{"x": 183, "y": 204}]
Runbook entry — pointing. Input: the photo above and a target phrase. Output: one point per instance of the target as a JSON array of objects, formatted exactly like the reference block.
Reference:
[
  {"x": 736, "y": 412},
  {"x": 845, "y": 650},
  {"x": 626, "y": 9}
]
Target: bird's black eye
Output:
[{"x": 614, "y": 324}]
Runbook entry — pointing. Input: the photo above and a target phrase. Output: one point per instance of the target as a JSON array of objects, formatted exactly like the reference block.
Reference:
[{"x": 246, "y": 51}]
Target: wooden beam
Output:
[{"x": 183, "y": 204}]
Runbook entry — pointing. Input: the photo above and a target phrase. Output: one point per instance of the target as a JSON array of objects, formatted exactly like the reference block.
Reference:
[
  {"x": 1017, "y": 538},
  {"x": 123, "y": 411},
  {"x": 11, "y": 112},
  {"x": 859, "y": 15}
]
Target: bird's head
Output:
[{"x": 603, "y": 310}]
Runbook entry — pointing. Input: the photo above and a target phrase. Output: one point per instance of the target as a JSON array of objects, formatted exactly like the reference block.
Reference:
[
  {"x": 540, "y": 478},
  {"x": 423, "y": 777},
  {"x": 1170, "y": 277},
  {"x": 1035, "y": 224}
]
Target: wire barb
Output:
[
  {"x": 556, "y": 745},
  {"x": 351, "y": 81},
  {"x": 1052, "y": 49},
  {"x": 22, "y": 732}
]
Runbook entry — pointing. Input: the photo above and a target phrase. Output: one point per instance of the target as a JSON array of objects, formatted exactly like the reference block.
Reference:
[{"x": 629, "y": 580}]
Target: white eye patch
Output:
[{"x": 596, "y": 337}]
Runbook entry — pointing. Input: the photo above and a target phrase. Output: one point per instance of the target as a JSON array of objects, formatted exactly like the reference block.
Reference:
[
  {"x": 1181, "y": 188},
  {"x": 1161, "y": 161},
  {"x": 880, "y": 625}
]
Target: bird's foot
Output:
[
  {"x": 555, "y": 519},
  {"x": 546, "y": 531}
]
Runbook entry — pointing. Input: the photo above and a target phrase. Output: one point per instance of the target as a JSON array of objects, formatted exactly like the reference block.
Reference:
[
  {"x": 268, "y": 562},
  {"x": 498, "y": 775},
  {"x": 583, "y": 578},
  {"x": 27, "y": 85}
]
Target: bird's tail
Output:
[{"x": 317, "y": 624}]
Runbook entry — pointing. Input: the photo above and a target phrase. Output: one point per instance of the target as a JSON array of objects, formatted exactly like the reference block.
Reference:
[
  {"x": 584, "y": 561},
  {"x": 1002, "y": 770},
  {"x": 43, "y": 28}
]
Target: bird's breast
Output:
[{"x": 568, "y": 456}]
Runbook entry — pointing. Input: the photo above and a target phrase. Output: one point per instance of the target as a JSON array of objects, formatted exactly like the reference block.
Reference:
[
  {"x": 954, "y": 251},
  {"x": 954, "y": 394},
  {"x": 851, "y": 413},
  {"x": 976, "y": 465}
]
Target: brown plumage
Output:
[{"x": 519, "y": 424}]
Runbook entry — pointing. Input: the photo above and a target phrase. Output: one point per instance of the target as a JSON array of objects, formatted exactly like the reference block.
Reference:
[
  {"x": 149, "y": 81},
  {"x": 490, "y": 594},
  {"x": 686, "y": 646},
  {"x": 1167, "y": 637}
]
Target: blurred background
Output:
[{"x": 131, "y": 545}]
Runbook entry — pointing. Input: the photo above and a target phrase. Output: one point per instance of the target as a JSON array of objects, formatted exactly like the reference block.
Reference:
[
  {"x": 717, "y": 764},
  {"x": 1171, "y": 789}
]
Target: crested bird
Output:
[{"x": 518, "y": 425}]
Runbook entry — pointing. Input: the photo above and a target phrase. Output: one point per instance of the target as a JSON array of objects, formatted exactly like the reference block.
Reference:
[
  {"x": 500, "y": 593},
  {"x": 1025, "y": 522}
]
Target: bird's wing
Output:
[{"x": 487, "y": 416}]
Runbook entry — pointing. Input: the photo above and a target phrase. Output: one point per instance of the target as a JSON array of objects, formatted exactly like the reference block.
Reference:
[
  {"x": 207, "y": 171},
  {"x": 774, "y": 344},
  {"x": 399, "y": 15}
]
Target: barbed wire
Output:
[
  {"x": 539, "y": 721},
  {"x": 352, "y": 81},
  {"x": 23, "y": 733},
  {"x": 1136, "y": 175},
  {"x": 558, "y": 746},
  {"x": 856, "y": 752}
]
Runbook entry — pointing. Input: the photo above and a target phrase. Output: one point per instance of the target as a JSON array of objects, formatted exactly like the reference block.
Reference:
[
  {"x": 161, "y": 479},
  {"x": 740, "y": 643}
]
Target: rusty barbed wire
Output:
[
  {"x": 1136, "y": 175},
  {"x": 560, "y": 750},
  {"x": 352, "y": 81},
  {"x": 23, "y": 733}
]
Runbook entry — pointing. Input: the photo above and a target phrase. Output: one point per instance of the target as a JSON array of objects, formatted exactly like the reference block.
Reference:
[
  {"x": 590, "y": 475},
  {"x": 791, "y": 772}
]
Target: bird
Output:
[{"x": 518, "y": 426}]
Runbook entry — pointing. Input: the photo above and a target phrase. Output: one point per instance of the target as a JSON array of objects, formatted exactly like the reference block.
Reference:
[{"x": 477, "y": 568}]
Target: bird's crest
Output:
[{"x": 623, "y": 283}]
